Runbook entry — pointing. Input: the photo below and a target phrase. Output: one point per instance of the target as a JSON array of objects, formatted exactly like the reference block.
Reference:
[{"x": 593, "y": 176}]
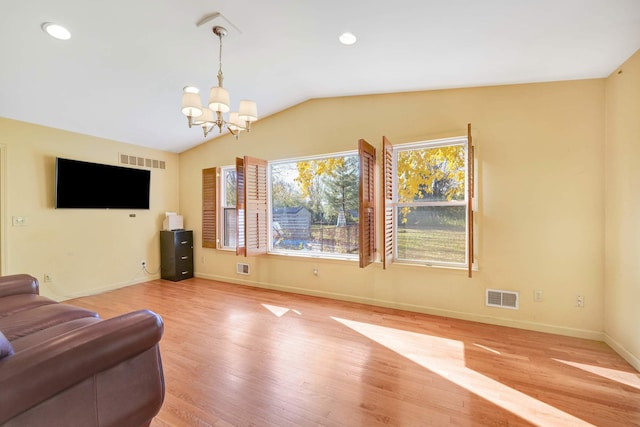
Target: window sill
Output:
[
  {"x": 312, "y": 256},
  {"x": 409, "y": 264}
]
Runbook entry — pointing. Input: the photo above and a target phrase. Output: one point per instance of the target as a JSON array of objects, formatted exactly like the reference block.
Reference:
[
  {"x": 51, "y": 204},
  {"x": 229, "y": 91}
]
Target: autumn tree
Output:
[
  {"x": 430, "y": 174},
  {"x": 342, "y": 188},
  {"x": 312, "y": 178},
  {"x": 284, "y": 193}
]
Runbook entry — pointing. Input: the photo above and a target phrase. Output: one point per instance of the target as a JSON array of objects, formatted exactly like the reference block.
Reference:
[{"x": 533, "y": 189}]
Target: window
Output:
[
  {"x": 319, "y": 206},
  {"x": 315, "y": 205},
  {"x": 427, "y": 193},
  {"x": 228, "y": 207},
  {"x": 219, "y": 204}
]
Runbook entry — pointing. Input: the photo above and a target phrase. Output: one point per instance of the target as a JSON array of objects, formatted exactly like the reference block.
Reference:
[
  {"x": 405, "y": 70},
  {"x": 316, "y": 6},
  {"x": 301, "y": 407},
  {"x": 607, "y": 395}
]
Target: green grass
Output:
[{"x": 445, "y": 244}]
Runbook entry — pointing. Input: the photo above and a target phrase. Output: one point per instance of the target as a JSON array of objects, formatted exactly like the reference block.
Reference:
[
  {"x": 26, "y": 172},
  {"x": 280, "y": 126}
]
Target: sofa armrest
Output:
[
  {"x": 18, "y": 284},
  {"x": 39, "y": 372}
]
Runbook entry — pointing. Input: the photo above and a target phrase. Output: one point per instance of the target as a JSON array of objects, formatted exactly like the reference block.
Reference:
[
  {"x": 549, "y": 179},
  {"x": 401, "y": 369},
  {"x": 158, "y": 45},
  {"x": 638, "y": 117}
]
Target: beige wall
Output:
[
  {"x": 85, "y": 251},
  {"x": 622, "y": 225},
  {"x": 541, "y": 221},
  {"x": 541, "y": 192}
]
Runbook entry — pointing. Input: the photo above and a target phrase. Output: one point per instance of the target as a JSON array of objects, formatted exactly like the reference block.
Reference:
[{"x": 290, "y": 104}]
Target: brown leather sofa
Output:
[{"x": 62, "y": 365}]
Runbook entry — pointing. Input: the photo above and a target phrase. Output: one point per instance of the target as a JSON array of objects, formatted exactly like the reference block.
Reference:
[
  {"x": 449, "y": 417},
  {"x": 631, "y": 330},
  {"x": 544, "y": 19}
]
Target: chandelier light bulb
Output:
[
  {"x": 219, "y": 99},
  {"x": 191, "y": 105},
  {"x": 205, "y": 119}
]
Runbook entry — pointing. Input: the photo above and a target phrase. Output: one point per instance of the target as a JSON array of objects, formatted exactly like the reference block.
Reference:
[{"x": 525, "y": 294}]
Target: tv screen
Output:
[{"x": 85, "y": 185}]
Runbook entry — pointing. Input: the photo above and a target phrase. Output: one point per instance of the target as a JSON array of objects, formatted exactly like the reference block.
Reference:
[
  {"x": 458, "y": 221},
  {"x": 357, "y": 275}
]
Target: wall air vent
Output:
[
  {"x": 126, "y": 159},
  {"x": 242, "y": 268},
  {"x": 502, "y": 299}
]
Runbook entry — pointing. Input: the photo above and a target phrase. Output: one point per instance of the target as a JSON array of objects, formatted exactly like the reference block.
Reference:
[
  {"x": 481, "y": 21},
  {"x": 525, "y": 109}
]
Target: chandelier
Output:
[{"x": 211, "y": 117}]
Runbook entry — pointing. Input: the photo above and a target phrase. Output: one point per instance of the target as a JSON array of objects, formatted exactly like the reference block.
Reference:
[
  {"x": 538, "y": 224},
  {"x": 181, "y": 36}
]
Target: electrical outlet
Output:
[
  {"x": 19, "y": 221},
  {"x": 537, "y": 295},
  {"x": 580, "y": 301},
  {"x": 48, "y": 278},
  {"x": 315, "y": 271}
]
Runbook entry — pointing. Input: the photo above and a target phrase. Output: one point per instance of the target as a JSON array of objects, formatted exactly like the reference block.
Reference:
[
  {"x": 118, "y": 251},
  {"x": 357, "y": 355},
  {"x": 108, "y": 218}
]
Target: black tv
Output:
[{"x": 86, "y": 185}]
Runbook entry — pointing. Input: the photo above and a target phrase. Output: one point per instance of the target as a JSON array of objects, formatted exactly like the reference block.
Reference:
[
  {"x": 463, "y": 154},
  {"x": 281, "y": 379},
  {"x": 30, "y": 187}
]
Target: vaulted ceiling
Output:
[{"x": 121, "y": 74}]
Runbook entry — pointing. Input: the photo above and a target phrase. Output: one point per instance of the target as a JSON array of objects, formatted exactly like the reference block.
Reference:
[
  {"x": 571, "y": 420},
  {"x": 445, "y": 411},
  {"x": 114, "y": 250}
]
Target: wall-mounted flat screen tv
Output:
[{"x": 85, "y": 185}]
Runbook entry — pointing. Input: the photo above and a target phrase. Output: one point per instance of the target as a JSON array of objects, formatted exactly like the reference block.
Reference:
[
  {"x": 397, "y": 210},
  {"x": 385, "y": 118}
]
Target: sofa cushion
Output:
[
  {"x": 27, "y": 322},
  {"x": 16, "y": 303},
  {"x": 5, "y": 347}
]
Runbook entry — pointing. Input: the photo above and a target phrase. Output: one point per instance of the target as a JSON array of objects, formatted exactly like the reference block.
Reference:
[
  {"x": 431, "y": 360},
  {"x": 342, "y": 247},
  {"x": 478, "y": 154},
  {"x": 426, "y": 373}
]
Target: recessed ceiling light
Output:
[
  {"x": 347, "y": 38},
  {"x": 56, "y": 31}
]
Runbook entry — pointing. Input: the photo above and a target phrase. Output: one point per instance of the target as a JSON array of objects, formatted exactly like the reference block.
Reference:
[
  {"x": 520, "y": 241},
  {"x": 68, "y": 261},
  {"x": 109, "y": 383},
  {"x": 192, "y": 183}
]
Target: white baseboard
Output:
[
  {"x": 532, "y": 326},
  {"x": 60, "y": 296},
  {"x": 623, "y": 352}
]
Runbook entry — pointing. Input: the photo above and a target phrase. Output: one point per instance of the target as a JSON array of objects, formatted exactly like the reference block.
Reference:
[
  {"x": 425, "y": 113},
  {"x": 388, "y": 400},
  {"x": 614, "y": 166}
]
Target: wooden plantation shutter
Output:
[
  {"x": 209, "y": 208},
  {"x": 240, "y": 206},
  {"x": 367, "y": 157},
  {"x": 388, "y": 255},
  {"x": 470, "y": 197},
  {"x": 255, "y": 220}
]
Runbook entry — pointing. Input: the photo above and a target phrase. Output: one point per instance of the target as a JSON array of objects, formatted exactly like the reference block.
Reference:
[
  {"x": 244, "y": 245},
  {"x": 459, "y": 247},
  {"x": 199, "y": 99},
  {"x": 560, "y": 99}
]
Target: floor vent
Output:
[
  {"x": 502, "y": 299},
  {"x": 126, "y": 159},
  {"x": 242, "y": 268}
]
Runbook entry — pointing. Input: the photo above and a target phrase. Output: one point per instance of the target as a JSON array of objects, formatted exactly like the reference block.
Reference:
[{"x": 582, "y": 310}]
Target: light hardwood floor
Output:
[{"x": 241, "y": 356}]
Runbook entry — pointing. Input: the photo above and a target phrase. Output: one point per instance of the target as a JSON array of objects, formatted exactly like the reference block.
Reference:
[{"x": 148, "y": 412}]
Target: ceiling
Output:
[{"x": 121, "y": 74}]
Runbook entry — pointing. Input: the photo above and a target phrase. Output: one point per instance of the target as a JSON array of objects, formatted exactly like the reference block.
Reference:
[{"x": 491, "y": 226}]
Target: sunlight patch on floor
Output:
[
  {"x": 445, "y": 357},
  {"x": 279, "y": 311},
  {"x": 629, "y": 378}
]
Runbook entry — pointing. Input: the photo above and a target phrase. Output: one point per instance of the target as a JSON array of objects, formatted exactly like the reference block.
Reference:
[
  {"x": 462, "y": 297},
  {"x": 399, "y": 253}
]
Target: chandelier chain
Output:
[{"x": 220, "y": 77}]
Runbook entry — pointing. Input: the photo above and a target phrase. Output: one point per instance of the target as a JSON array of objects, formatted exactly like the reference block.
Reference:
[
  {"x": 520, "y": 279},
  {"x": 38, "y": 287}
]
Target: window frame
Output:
[
  {"x": 254, "y": 213},
  {"x": 222, "y": 208},
  {"x": 321, "y": 255},
  {"x": 391, "y": 203}
]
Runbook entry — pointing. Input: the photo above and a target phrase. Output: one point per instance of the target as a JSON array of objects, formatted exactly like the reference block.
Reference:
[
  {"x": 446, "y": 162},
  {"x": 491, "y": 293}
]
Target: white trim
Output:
[
  {"x": 313, "y": 255},
  {"x": 531, "y": 326},
  {"x": 623, "y": 352},
  {"x": 461, "y": 141},
  {"x": 274, "y": 251},
  {"x": 63, "y": 296},
  {"x": 221, "y": 203},
  {"x": 443, "y": 142},
  {"x": 419, "y": 203},
  {"x": 310, "y": 158}
]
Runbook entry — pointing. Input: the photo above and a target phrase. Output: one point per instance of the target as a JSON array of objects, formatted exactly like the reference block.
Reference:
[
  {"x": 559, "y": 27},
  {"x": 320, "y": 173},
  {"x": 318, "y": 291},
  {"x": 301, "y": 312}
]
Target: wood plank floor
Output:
[{"x": 241, "y": 356}]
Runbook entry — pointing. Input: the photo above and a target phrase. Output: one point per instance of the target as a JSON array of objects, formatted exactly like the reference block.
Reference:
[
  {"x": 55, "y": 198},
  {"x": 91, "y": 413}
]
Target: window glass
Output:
[
  {"x": 228, "y": 206},
  {"x": 432, "y": 233},
  {"x": 430, "y": 202},
  {"x": 431, "y": 174},
  {"x": 314, "y": 205},
  {"x": 229, "y": 182}
]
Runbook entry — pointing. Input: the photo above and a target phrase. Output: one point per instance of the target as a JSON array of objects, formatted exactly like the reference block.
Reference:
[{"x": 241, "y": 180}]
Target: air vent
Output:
[
  {"x": 502, "y": 299},
  {"x": 126, "y": 159},
  {"x": 242, "y": 268}
]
